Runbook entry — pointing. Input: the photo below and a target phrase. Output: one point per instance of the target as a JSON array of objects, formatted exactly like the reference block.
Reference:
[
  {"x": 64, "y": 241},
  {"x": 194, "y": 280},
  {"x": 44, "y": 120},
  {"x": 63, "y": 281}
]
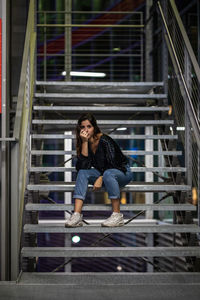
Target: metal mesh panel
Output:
[{"x": 107, "y": 43}]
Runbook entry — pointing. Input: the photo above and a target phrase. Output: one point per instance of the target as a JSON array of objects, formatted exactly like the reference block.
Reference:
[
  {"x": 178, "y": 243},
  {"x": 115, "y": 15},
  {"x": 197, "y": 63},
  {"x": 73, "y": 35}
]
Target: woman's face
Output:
[{"x": 87, "y": 127}]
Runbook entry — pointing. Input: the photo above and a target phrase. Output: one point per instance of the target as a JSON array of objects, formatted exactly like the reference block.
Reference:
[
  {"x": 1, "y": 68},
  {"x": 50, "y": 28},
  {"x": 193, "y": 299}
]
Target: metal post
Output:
[
  {"x": 198, "y": 187},
  {"x": 164, "y": 53},
  {"x": 198, "y": 28},
  {"x": 68, "y": 142},
  {"x": 142, "y": 50},
  {"x": 149, "y": 129},
  {"x": 148, "y": 44},
  {"x": 68, "y": 195},
  {"x": 4, "y": 199},
  {"x": 149, "y": 163},
  {"x": 111, "y": 54},
  {"x": 68, "y": 20},
  {"x": 149, "y": 178},
  {"x": 14, "y": 212},
  {"x": 161, "y": 163}
]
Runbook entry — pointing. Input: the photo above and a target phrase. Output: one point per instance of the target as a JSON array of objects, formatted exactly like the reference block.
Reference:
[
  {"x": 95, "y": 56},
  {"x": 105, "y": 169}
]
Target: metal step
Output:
[
  {"x": 108, "y": 207},
  {"x": 111, "y": 278},
  {"x": 143, "y": 187},
  {"x": 136, "y": 87},
  {"x": 105, "y": 109},
  {"x": 104, "y": 285},
  {"x": 114, "y": 136},
  {"x": 98, "y": 95},
  {"x": 126, "y": 152},
  {"x": 91, "y": 98},
  {"x": 97, "y": 228},
  {"x": 109, "y": 251},
  {"x": 133, "y": 169},
  {"x": 103, "y": 123}
]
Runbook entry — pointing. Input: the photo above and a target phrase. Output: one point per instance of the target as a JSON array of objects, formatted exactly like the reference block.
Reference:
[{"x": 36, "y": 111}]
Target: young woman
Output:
[{"x": 110, "y": 169}]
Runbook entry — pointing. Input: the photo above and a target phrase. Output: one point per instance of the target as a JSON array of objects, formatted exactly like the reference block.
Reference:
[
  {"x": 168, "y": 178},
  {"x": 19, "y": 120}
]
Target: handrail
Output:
[
  {"x": 20, "y": 98},
  {"x": 186, "y": 40},
  {"x": 182, "y": 75},
  {"x": 192, "y": 114},
  {"x": 21, "y": 134}
]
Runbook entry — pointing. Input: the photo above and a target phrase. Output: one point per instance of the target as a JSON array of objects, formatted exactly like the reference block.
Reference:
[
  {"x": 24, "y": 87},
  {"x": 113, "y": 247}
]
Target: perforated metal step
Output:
[
  {"x": 96, "y": 228},
  {"x": 109, "y": 251},
  {"x": 143, "y": 187},
  {"x": 126, "y": 152},
  {"x": 107, "y": 123},
  {"x": 133, "y": 169},
  {"x": 106, "y": 109},
  {"x": 107, "y": 207},
  {"x": 114, "y": 136}
]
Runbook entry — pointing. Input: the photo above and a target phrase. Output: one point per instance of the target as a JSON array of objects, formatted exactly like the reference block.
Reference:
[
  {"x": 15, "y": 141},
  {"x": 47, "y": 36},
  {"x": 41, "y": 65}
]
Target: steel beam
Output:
[{"x": 5, "y": 148}]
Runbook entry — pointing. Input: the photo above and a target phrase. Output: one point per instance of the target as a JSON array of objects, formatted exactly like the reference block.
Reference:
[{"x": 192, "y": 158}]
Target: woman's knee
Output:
[
  {"x": 108, "y": 175},
  {"x": 83, "y": 173}
]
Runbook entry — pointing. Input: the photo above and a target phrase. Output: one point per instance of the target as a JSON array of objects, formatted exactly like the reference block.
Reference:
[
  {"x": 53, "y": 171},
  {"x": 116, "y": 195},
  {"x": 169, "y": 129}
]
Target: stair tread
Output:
[
  {"x": 126, "y": 152},
  {"x": 133, "y": 169},
  {"x": 143, "y": 187},
  {"x": 103, "y": 96},
  {"x": 96, "y": 228},
  {"x": 108, "y": 109},
  {"x": 114, "y": 136},
  {"x": 138, "y": 87},
  {"x": 94, "y": 278},
  {"x": 107, "y": 207},
  {"x": 109, "y": 251},
  {"x": 102, "y": 83},
  {"x": 106, "y": 122}
]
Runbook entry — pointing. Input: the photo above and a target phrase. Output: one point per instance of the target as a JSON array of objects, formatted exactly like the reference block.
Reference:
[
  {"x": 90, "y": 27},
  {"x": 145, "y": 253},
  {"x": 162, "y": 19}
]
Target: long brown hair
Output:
[{"x": 92, "y": 120}]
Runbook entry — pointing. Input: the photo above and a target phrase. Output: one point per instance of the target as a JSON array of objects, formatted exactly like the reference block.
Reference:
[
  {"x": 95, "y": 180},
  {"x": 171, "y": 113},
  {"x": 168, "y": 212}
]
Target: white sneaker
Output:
[
  {"x": 115, "y": 220},
  {"x": 75, "y": 220}
]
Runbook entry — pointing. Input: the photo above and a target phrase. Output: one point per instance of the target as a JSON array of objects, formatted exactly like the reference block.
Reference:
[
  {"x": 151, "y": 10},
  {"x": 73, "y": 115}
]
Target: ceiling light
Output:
[
  {"x": 84, "y": 74},
  {"x": 121, "y": 128},
  {"x": 87, "y": 74}
]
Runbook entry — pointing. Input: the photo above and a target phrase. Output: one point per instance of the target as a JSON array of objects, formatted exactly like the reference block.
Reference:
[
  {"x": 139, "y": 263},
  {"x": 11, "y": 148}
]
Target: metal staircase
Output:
[
  {"x": 156, "y": 251},
  {"x": 130, "y": 98}
]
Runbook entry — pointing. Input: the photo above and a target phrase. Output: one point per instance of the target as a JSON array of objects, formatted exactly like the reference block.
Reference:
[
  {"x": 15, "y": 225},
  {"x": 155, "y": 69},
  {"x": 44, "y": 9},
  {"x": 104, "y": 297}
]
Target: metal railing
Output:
[
  {"x": 110, "y": 44},
  {"x": 21, "y": 133},
  {"x": 183, "y": 86}
]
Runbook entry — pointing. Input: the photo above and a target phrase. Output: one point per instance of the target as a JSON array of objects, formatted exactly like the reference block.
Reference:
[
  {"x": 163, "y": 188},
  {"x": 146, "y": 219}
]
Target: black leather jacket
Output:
[{"x": 107, "y": 156}]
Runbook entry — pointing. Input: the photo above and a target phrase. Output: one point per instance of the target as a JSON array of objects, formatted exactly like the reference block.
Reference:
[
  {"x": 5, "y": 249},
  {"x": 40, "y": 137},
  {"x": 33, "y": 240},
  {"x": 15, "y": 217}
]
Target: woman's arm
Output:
[
  {"x": 113, "y": 154},
  {"x": 110, "y": 151},
  {"x": 84, "y": 161},
  {"x": 84, "y": 149}
]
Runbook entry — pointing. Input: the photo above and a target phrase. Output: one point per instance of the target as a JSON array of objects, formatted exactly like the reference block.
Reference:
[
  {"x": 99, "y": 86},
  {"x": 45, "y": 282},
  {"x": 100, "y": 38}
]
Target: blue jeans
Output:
[{"x": 113, "y": 180}]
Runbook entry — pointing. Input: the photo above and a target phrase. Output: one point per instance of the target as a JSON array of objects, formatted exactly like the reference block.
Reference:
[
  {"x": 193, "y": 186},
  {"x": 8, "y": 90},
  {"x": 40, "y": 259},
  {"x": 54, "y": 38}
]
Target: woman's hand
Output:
[
  {"x": 98, "y": 183},
  {"x": 84, "y": 136}
]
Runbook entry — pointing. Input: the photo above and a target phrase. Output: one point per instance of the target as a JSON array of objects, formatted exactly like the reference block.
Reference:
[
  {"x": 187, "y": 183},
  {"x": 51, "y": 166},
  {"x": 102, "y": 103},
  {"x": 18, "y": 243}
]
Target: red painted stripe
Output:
[{"x": 0, "y": 63}]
